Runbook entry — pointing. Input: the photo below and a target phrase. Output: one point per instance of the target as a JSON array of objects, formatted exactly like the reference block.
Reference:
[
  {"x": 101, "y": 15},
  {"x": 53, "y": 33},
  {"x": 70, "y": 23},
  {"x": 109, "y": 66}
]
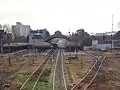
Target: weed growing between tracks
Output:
[
  {"x": 43, "y": 83},
  {"x": 69, "y": 75},
  {"x": 77, "y": 68}
]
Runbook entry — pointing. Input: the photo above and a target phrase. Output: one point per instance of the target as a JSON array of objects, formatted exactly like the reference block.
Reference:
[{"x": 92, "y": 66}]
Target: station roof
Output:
[
  {"x": 41, "y": 44},
  {"x": 16, "y": 44},
  {"x": 38, "y": 44}
]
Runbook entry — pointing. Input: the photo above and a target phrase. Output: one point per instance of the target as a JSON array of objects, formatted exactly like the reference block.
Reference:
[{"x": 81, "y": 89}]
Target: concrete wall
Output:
[
  {"x": 104, "y": 46},
  {"x": 96, "y": 46}
]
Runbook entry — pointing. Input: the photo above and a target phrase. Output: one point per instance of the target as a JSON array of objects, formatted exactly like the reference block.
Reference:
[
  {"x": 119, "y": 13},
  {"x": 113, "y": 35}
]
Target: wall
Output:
[
  {"x": 33, "y": 37},
  {"x": 20, "y": 30},
  {"x": 94, "y": 44},
  {"x": 102, "y": 46},
  {"x": 24, "y": 30}
]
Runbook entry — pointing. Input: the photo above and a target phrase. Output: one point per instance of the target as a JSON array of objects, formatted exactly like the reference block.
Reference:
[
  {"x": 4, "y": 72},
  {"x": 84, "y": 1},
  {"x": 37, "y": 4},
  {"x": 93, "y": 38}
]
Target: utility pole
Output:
[
  {"x": 81, "y": 60},
  {"x": 9, "y": 59},
  {"x": 112, "y": 32},
  {"x": 106, "y": 41},
  {"x": 1, "y": 40},
  {"x": 69, "y": 46},
  {"x": 33, "y": 51}
]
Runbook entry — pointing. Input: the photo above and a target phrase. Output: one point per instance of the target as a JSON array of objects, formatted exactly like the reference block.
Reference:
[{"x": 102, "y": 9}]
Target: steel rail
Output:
[
  {"x": 40, "y": 75},
  {"x": 64, "y": 80},
  {"x": 36, "y": 69},
  {"x": 95, "y": 74},
  {"x": 91, "y": 55},
  {"x": 14, "y": 53},
  {"x": 55, "y": 68},
  {"x": 86, "y": 73}
]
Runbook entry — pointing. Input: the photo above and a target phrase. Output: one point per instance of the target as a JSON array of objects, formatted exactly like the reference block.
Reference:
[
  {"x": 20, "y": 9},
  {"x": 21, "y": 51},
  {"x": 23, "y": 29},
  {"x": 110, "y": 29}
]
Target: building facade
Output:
[
  {"x": 20, "y": 30},
  {"x": 103, "y": 41},
  {"x": 105, "y": 45},
  {"x": 37, "y": 37}
]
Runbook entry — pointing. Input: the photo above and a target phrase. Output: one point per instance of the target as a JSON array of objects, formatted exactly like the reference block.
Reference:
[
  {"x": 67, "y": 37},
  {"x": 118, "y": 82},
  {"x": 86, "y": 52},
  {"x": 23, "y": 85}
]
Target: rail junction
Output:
[
  {"x": 59, "y": 81},
  {"x": 58, "y": 76}
]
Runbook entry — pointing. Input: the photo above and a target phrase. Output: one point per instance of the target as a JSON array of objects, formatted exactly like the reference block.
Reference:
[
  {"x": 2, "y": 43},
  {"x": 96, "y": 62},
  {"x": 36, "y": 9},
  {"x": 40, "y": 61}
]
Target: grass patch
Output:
[
  {"x": 39, "y": 86},
  {"x": 42, "y": 84},
  {"x": 69, "y": 75}
]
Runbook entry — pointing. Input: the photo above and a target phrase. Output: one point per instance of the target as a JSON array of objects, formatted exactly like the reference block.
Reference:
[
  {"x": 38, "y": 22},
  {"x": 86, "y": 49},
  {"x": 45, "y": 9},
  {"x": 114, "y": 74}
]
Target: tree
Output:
[
  {"x": 82, "y": 37},
  {"x": 0, "y": 27},
  {"x": 87, "y": 41},
  {"x": 116, "y": 36},
  {"x": 6, "y": 28},
  {"x": 47, "y": 34}
]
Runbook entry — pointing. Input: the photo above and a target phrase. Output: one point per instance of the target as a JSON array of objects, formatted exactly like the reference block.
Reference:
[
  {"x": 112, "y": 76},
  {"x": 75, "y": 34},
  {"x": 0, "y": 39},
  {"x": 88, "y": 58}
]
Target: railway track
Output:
[
  {"x": 16, "y": 53},
  {"x": 36, "y": 74},
  {"x": 59, "y": 81},
  {"x": 90, "y": 76},
  {"x": 91, "y": 55}
]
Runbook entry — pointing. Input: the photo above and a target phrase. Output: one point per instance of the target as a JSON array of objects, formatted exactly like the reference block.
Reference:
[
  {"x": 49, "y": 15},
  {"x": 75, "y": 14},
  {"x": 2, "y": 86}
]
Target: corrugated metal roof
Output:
[
  {"x": 42, "y": 43},
  {"x": 15, "y": 44}
]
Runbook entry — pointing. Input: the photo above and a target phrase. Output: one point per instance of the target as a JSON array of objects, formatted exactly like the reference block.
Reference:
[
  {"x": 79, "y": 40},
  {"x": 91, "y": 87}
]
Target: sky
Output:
[{"x": 95, "y": 16}]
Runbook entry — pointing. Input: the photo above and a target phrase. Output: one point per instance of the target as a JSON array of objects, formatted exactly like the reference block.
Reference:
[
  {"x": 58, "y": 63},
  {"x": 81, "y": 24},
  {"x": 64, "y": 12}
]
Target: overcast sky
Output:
[{"x": 92, "y": 15}]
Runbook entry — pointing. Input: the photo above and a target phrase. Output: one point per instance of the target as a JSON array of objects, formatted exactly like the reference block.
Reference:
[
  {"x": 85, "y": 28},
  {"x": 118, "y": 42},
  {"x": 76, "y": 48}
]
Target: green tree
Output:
[
  {"x": 82, "y": 37},
  {"x": 116, "y": 36},
  {"x": 47, "y": 34}
]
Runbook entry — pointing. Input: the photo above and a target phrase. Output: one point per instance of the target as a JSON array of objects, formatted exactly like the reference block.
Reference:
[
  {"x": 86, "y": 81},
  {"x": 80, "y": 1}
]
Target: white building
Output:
[
  {"x": 103, "y": 41},
  {"x": 101, "y": 46},
  {"x": 20, "y": 30}
]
